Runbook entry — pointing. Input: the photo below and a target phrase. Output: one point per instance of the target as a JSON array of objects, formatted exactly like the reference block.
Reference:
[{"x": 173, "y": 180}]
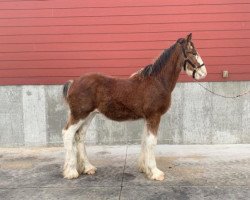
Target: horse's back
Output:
[
  {"x": 118, "y": 99},
  {"x": 107, "y": 94}
]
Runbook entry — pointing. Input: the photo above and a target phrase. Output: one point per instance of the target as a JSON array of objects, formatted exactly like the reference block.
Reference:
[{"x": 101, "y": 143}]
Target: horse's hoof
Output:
[
  {"x": 70, "y": 174},
  {"x": 90, "y": 170},
  {"x": 158, "y": 175}
]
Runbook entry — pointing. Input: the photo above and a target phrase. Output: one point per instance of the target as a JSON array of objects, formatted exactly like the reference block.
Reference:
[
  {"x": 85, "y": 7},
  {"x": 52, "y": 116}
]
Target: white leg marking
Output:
[
  {"x": 153, "y": 172},
  {"x": 141, "y": 163},
  {"x": 147, "y": 163},
  {"x": 71, "y": 152},
  {"x": 83, "y": 164}
]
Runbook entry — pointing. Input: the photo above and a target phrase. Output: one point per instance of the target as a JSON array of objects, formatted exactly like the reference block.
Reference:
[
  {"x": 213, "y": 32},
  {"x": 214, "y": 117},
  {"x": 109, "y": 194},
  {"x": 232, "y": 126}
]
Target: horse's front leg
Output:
[{"x": 147, "y": 163}]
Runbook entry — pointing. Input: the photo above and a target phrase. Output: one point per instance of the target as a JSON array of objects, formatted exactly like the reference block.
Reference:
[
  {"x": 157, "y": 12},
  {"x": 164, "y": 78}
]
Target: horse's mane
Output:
[{"x": 159, "y": 64}]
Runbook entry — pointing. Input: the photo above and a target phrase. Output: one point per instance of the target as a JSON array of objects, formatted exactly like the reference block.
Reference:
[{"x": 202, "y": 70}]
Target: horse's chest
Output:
[
  {"x": 158, "y": 106},
  {"x": 164, "y": 108}
]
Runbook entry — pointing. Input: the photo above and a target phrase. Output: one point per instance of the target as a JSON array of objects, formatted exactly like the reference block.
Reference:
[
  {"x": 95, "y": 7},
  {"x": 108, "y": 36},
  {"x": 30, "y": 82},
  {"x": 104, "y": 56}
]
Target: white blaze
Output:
[
  {"x": 198, "y": 58},
  {"x": 202, "y": 71}
]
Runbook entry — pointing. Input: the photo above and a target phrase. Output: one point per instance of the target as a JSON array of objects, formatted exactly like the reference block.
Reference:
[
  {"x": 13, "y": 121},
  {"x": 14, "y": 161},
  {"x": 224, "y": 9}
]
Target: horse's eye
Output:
[{"x": 192, "y": 52}]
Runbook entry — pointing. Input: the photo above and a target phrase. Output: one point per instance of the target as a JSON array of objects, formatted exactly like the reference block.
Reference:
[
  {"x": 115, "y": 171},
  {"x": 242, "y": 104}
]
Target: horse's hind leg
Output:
[
  {"x": 83, "y": 164},
  {"x": 70, "y": 165}
]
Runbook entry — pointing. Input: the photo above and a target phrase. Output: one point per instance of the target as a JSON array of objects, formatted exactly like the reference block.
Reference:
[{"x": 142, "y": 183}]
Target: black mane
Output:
[{"x": 159, "y": 64}]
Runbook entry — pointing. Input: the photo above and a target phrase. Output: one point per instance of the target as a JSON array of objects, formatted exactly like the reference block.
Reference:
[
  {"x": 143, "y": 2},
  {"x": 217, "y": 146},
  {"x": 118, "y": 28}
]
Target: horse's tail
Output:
[{"x": 66, "y": 88}]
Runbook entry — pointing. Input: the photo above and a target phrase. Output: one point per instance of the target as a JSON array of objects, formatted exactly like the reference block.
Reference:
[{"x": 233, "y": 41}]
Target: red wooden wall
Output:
[{"x": 48, "y": 42}]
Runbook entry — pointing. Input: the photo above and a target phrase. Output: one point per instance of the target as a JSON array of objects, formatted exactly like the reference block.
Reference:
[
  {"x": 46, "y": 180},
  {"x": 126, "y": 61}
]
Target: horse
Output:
[{"x": 144, "y": 95}]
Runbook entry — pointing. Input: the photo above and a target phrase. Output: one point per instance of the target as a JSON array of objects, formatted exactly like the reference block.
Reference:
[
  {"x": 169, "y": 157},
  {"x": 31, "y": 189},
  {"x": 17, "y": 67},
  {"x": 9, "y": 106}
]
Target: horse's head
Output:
[{"x": 193, "y": 64}]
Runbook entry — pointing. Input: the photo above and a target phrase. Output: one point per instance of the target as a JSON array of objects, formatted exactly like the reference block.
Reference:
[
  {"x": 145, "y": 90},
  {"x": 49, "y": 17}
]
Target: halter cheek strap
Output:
[
  {"x": 189, "y": 62},
  {"x": 196, "y": 69},
  {"x": 194, "y": 72},
  {"x": 192, "y": 64}
]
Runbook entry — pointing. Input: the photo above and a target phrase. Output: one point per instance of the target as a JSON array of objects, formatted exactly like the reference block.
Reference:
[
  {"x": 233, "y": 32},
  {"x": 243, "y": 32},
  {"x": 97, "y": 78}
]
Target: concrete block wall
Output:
[{"x": 35, "y": 115}]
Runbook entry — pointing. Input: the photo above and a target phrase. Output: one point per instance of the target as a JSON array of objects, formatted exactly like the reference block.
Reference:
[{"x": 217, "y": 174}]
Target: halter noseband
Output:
[{"x": 192, "y": 64}]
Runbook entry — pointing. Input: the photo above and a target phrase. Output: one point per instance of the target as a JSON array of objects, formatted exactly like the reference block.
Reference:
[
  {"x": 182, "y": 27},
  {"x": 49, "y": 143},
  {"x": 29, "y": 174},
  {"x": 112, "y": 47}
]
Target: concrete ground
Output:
[{"x": 192, "y": 172}]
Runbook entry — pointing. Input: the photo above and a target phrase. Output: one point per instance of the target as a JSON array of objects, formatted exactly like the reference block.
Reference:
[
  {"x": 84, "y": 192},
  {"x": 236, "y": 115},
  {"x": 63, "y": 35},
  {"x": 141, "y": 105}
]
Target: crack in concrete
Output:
[{"x": 123, "y": 172}]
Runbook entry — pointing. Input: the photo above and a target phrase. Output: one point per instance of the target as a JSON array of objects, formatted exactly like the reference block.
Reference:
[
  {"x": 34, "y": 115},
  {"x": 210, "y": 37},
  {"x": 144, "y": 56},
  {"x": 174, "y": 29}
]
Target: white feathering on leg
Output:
[
  {"x": 70, "y": 164},
  {"x": 149, "y": 165},
  {"x": 84, "y": 166}
]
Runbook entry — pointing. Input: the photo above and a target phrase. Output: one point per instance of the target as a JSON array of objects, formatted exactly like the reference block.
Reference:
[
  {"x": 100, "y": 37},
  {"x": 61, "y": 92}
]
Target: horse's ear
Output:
[
  {"x": 189, "y": 37},
  {"x": 180, "y": 40}
]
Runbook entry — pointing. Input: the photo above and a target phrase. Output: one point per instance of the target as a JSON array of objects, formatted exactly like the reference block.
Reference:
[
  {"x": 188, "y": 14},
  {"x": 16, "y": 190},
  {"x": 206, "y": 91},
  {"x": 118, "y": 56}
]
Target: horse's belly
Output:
[
  {"x": 121, "y": 116},
  {"x": 119, "y": 112}
]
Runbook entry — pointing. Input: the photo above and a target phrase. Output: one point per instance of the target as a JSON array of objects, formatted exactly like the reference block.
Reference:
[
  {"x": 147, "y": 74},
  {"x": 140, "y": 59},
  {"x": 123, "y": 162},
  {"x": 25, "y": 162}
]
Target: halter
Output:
[{"x": 189, "y": 61}]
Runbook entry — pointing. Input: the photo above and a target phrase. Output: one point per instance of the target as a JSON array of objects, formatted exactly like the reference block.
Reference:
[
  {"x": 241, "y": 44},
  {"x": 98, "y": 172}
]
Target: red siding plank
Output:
[
  {"x": 95, "y": 38},
  {"x": 115, "y": 54},
  {"x": 103, "y": 55},
  {"x": 60, "y": 73},
  {"x": 115, "y": 71},
  {"x": 116, "y": 29},
  {"x": 74, "y": 63},
  {"x": 63, "y": 63},
  {"x": 59, "y": 4},
  {"x": 129, "y": 46},
  {"x": 97, "y": 21},
  {"x": 60, "y": 80},
  {"x": 125, "y": 11}
]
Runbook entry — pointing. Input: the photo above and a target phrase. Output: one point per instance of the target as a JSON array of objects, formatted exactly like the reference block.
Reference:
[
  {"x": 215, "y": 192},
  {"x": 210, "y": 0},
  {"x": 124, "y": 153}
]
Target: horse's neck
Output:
[{"x": 172, "y": 69}]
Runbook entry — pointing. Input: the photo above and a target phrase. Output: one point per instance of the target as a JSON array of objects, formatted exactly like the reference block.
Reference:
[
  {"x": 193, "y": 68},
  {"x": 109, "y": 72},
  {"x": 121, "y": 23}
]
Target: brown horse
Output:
[{"x": 146, "y": 94}]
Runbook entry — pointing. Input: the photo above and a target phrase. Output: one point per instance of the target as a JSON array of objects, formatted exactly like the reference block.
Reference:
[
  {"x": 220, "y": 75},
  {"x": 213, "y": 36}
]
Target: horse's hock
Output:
[{"x": 35, "y": 115}]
